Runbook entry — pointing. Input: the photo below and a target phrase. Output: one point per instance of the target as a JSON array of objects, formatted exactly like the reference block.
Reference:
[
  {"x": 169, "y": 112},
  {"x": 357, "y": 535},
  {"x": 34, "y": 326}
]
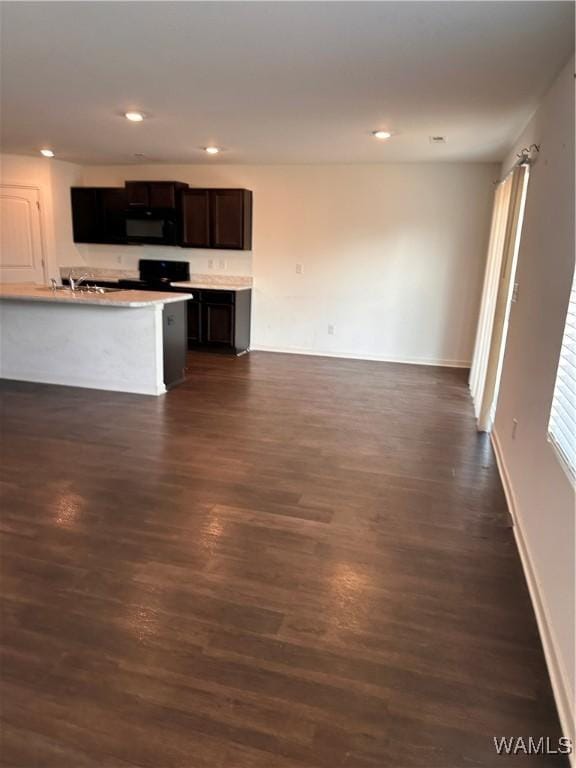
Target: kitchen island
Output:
[
  {"x": 120, "y": 340},
  {"x": 219, "y": 315}
]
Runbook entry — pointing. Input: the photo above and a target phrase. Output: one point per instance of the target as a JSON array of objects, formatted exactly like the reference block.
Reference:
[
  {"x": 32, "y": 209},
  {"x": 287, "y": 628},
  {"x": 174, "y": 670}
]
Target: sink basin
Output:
[
  {"x": 96, "y": 289},
  {"x": 81, "y": 289}
]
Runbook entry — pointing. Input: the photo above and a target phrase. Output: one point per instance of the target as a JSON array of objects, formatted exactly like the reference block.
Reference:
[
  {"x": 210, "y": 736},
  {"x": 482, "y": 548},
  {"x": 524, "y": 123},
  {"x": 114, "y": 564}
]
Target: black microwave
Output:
[{"x": 152, "y": 226}]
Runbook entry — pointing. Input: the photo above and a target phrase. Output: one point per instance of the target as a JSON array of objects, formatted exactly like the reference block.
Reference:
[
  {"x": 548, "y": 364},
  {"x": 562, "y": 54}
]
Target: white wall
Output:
[
  {"x": 393, "y": 255},
  {"x": 539, "y": 490},
  {"x": 53, "y": 178},
  {"x": 64, "y": 176}
]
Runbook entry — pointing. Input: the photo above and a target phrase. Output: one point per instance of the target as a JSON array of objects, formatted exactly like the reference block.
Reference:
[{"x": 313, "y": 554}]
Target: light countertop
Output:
[
  {"x": 99, "y": 273},
  {"x": 29, "y": 292},
  {"x": 211, "y": 286},
  {"x": 199, "y": 281}
]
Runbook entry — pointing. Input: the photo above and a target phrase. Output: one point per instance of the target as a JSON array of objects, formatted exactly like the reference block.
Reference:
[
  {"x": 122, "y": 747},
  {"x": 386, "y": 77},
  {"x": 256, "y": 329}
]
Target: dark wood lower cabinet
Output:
[
  {"x": 194, "y": 321},
  {"x": 218, "y": 323},
  {"x": 220, "y": 320},
  {"x": 174, "y": 342}
]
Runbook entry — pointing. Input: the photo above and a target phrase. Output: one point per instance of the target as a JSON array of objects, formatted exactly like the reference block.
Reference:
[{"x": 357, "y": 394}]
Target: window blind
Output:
[{"x": 562, "y": 426}]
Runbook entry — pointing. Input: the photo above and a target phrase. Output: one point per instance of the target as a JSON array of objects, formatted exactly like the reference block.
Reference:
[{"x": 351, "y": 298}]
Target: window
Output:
[{"x": 562, "y": 426}]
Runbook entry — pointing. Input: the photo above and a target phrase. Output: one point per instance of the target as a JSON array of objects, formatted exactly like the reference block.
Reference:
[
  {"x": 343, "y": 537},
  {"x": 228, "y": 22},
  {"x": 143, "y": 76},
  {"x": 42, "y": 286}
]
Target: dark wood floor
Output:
[{"x": 287, "y": 561}]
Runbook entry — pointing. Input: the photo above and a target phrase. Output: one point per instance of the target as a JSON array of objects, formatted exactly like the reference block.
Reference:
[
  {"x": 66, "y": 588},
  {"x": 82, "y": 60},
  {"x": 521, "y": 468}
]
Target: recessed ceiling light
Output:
[
  {"x": 381, "y": 134},
  {"x": 212, "y": 150},
  {"x": 47, "y": 152},
  {"x": 134, "y": 117}
]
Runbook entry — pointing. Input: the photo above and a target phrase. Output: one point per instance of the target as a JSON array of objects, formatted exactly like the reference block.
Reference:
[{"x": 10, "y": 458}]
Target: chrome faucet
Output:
[{"x": 75, "y": 282}]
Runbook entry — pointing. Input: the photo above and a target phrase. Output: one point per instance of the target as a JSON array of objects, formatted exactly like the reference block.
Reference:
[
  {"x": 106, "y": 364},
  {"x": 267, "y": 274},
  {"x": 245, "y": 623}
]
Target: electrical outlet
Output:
[
  {"x": 119, "y": 258},
  {"x": 515, "y": 290},
  {"x": 210, "y": 263},
  {"x": 330, "y": 330},
  {"x": 299, "y": 269},
  {"x": 514, "y": 428},
  {"x": 222, "y": 264}
]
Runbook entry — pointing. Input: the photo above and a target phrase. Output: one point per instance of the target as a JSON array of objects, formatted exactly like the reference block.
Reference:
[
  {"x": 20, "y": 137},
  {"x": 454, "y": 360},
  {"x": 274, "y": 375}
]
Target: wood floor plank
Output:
[{"x": 286, "y": 562}]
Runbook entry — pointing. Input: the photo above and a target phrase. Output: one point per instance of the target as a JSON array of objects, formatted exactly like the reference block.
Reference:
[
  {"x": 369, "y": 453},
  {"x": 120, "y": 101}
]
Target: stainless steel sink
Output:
[
  {"x": 80, "y": 289},
  {"x": 96, "y": 289}
]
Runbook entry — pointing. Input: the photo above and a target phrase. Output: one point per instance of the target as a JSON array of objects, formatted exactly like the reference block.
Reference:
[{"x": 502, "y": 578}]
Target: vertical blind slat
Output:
[{"x": 562, "y": 424}]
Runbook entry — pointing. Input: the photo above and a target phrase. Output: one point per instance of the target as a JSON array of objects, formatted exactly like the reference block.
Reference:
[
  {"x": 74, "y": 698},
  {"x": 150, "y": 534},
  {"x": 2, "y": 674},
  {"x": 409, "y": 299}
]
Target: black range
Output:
[{"x": 156, "y": 275}]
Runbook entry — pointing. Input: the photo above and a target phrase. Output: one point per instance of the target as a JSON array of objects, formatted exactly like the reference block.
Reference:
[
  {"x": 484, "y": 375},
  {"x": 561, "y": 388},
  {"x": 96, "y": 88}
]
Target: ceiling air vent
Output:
[{"x": 437, "y": 139}]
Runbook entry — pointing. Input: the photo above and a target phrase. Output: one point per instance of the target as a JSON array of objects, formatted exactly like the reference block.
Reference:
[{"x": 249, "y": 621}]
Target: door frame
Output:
[
  {"x": 41, "y": 221},
  {"x": 504, "y": 298}
]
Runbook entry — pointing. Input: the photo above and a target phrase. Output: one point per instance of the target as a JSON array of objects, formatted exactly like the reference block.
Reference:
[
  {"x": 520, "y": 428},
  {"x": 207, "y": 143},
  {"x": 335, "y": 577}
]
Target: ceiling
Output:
[{"x": 276, "y": 82}]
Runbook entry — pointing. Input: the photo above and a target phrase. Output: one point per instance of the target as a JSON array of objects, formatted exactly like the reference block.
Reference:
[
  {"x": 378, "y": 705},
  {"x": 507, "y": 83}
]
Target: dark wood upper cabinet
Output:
[
  {"x": 153, "y": 194},
  {"x": 113, "y": 202},
  {"x": 195, "y": 218},
  {"x": 231, "y": 218},
  {"x": 98, "y": 214},
  {"x": 207, "y": 218},
  {"x": 86, "y": 225},
  {"x": 217, "y": 218},
  {"x": 137, "y": 194},
  {"x": 162, "y": 195}
]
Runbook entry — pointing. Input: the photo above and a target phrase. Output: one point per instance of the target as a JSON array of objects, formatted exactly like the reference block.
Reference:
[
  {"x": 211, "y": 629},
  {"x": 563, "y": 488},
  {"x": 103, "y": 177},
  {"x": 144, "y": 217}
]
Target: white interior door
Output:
[{"x": 21, "y": 259}]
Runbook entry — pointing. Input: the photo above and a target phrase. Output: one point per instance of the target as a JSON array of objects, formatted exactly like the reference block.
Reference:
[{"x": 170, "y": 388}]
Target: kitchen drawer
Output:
[{"x": 217, "y": 297}]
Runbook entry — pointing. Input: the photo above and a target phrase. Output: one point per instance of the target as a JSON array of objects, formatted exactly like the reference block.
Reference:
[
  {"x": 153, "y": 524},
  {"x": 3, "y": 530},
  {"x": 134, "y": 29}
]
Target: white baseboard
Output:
[
  {"x": 73, "y": 381},
  {"x": 355, "y": 356},
  {"x": 562, "y": 696}
]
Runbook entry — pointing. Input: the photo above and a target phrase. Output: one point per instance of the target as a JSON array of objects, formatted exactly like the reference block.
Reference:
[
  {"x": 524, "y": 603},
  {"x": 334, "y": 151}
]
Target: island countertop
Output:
[{"x": 116, "y": 298}]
